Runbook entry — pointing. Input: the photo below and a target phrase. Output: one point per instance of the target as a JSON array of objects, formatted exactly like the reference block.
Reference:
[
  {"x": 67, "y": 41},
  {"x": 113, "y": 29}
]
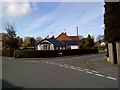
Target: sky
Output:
[{"x": 39, "y": 19}]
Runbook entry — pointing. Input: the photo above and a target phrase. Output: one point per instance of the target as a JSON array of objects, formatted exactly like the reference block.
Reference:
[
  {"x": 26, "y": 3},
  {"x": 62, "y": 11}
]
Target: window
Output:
[{"x": 46, "y": 47}]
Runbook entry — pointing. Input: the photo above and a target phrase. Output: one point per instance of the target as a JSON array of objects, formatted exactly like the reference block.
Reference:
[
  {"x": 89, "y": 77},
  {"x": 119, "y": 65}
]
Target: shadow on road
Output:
[{"x": 6, "y": 85}]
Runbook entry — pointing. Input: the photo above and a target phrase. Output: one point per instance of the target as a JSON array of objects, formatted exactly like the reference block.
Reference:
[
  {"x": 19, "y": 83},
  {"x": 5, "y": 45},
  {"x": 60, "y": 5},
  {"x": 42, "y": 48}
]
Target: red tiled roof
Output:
[
  {"x": 74, "y": 37},
  {"x": 63, "y": 36},
  {"x": 4, "y": 36}
]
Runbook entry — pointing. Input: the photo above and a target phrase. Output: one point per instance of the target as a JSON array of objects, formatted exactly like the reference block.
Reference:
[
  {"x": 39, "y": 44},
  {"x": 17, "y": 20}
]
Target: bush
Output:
[
  {"x": 51, "y": 53},
  {"x": 7, "y": 52}
]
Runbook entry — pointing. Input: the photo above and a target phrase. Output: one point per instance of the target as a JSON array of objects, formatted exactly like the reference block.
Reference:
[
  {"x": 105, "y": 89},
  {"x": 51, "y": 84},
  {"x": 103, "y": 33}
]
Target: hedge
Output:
[
  {"x": 7, "y": 52},
  {"x": 51, "y": 53}
]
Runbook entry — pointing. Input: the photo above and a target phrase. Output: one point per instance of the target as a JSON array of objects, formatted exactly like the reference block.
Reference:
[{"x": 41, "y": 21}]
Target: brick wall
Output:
[
  {"x": 118, "y": 52},
  {"x": 111, "y": 55}
]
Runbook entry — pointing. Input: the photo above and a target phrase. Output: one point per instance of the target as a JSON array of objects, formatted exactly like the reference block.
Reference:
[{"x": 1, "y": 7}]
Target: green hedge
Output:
[
  {"x": 34, "y": 53},
  {"x": 7, "y": 52},
  {"x": 51, "y": 53}
]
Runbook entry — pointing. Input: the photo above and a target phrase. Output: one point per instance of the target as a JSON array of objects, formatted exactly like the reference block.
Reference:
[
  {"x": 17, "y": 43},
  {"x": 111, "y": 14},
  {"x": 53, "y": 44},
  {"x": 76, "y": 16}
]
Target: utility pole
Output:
[
  {"x": 77, "y": 31},
  {"x": 77, "y": 36}
]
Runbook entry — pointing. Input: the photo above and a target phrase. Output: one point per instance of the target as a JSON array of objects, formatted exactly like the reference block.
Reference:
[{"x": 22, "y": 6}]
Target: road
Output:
[{"x": 60, "y": 72}]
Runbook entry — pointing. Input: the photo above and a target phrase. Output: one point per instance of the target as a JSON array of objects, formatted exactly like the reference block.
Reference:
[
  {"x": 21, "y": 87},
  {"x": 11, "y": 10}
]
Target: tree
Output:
[
  {"x": 20, "y": 41},
  {"x": 25, "y": 44},
  {"x": 112, "y": 26},
  {"x": 82, "y": 43},
  {"x": 29, "y": 42},
  {"x": 100, "y": 38},
  {"x": 89, "y": 41},
  {"x": 12, "y": 43},
  {"x": 112, "y": 21},
  {"x": 32, "y": 42}
]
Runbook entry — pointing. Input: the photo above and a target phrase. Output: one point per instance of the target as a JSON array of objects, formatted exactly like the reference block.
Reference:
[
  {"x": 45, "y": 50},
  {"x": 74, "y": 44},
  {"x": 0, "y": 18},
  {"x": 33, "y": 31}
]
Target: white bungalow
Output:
[{"x": 50, "y": 44}]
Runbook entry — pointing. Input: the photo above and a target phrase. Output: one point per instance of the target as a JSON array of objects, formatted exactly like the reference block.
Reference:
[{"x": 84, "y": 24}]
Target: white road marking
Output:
[
  {"x": 64, "y": 64},
  {"x": 81, "y": 70},
  {"x": 100, "y": 75},
  {"x": 73, "y": 68},
  {"x": 86, "y": 69},
  {"x": 89, "y": 72},
  {"x": 47, "y": 62},
  {"x": 61, "y": 65},
  {"x": 67, "y": 66},
  {"x": 111, "y": 78},
  {"x": 94, "y": 71},
  {"x": 78, "y": 67}
]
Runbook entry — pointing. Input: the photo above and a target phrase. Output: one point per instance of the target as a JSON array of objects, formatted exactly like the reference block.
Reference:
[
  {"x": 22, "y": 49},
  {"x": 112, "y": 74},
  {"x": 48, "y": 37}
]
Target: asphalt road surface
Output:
[{"x": 60, "y": 72}]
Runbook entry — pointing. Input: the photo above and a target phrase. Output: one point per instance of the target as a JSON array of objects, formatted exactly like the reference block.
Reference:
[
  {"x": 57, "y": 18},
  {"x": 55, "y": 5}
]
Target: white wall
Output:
[
  {"x": 74, "y": 47},
  {"x": 52, "y": 47}
]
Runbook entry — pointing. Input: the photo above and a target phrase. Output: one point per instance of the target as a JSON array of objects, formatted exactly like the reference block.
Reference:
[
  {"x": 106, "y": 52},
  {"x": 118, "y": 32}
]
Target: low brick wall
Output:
[
  {"x": 113, "y": 58},
  {"x": 111, "y": 55},
  {"x": 118, "y": 52}
]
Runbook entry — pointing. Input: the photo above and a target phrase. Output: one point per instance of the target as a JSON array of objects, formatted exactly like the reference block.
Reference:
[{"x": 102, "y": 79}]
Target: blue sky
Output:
[{"x": 51, "y": 18}]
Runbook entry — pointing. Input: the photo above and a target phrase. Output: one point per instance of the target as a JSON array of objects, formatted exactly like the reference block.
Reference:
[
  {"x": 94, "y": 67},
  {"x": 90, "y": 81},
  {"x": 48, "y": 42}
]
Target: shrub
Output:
[
  {"x": 51, "y": 53},
  {"x": 7, "y": 52}
]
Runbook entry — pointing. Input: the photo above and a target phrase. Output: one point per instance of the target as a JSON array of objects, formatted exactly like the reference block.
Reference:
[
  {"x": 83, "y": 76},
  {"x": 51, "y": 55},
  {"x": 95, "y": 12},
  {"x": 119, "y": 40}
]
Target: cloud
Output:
[
  {"x": 44, "y": 19},
  {"x": 72, "y": 18},
  {"x": 67, "y": 15},
  {"x": 16, "y": 9},
  {"x": 69, "y": 18}
]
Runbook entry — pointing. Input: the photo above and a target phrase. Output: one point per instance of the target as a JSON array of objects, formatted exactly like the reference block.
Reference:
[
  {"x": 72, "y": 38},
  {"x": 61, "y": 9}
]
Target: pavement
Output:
[{"x": 103, "y": 66}]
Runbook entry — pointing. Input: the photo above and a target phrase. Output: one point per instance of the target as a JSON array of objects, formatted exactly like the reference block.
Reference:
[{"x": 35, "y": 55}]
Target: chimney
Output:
[{"x": 53, "y": 36}]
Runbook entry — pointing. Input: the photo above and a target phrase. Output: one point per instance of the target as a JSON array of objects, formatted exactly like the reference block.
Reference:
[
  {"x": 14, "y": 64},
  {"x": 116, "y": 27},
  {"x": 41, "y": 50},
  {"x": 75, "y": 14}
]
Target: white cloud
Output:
[
  {"x": 42, "y": 20},
  {"x": 16, "y": 9},
  {"x": 69, "y": 22}
]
